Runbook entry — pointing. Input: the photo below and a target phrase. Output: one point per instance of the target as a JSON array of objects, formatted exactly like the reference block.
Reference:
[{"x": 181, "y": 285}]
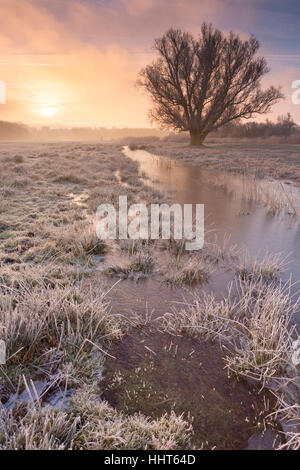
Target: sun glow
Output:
[{"x": 48, "y": 112}]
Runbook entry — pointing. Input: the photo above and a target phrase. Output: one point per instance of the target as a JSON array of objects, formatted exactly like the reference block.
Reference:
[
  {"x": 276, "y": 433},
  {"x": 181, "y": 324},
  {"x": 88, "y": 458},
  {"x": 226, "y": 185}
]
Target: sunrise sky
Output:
[{"x": 75, "y": 62}]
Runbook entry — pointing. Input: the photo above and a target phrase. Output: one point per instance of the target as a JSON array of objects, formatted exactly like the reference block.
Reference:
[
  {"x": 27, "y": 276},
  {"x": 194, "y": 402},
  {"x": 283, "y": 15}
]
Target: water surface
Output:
[
  {"x": 249, "y": 225},
  {"x": 154, "y": 372}
]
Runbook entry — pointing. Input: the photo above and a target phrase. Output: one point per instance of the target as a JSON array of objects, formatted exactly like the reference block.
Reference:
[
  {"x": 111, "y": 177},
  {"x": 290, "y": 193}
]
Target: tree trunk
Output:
[{"x": 197, "y": 138}]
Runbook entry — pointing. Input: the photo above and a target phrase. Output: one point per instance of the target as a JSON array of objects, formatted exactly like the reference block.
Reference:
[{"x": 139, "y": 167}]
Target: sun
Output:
[{"x": 48, "y": 112}]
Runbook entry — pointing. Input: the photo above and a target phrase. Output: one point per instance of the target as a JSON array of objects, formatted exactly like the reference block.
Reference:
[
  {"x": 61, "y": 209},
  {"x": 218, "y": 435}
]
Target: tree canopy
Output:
[{"x": 200, "y": 84}]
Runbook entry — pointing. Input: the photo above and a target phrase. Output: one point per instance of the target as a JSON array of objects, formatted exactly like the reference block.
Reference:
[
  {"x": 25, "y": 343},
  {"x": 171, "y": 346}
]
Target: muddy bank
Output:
[{"x": 155, "y": 372}]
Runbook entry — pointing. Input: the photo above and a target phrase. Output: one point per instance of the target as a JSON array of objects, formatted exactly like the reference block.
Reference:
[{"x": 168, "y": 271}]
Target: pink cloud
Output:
[{"x": 86, "y": 55}]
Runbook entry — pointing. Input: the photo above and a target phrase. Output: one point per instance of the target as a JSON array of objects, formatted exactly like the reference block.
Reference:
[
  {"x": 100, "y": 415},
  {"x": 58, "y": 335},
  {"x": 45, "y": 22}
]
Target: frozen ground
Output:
[
  {"x": 278, "y": 161},
  {"x": 58, "y": 325}
]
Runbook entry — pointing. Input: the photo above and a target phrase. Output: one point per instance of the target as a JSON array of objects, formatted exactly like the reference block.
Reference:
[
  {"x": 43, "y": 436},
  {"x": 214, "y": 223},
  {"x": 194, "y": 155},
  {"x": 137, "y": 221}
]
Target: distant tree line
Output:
[
  {"x": 13, "y": 131},
  {"x": 91, "y": 133},
  {"x": 18, "y": 131},
  {"x": 283, "y": 127}
]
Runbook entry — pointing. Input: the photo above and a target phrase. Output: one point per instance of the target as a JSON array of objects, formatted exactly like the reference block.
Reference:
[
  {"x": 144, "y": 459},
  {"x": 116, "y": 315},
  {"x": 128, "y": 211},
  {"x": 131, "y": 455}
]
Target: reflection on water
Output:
[
  {"x": 249, "y": 225},
  {"x": 154, "y": 372}
]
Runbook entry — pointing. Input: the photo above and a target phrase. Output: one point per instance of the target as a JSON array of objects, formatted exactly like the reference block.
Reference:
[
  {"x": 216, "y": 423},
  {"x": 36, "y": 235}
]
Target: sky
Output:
[{"x": 75, "y": 62}]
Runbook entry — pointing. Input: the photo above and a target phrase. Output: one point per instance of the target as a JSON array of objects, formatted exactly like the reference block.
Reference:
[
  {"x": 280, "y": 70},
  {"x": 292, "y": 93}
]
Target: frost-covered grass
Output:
[
  {"x": 54, "y": 317},
  {"x": 280, "y": 161},
  {"x": 253, "y": 324},
  {"x": 89, "y": 425},
  {"x": 245, "y": 168},
  {"x": 253, "y": 320},
  {"x": 189, "y": 271},
  {"x": 53, "y": 311},
  {"x": 267, "y": 268}
]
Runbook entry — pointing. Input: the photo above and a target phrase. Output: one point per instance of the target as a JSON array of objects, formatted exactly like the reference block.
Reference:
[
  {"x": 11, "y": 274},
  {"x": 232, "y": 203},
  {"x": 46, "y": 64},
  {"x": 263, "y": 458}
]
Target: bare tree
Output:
[{"x": 198, "y": 85}]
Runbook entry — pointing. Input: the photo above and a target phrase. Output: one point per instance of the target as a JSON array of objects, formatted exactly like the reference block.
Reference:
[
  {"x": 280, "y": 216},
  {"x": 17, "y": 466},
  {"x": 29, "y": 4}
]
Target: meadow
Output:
[{"x": 81, "y": 373}]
